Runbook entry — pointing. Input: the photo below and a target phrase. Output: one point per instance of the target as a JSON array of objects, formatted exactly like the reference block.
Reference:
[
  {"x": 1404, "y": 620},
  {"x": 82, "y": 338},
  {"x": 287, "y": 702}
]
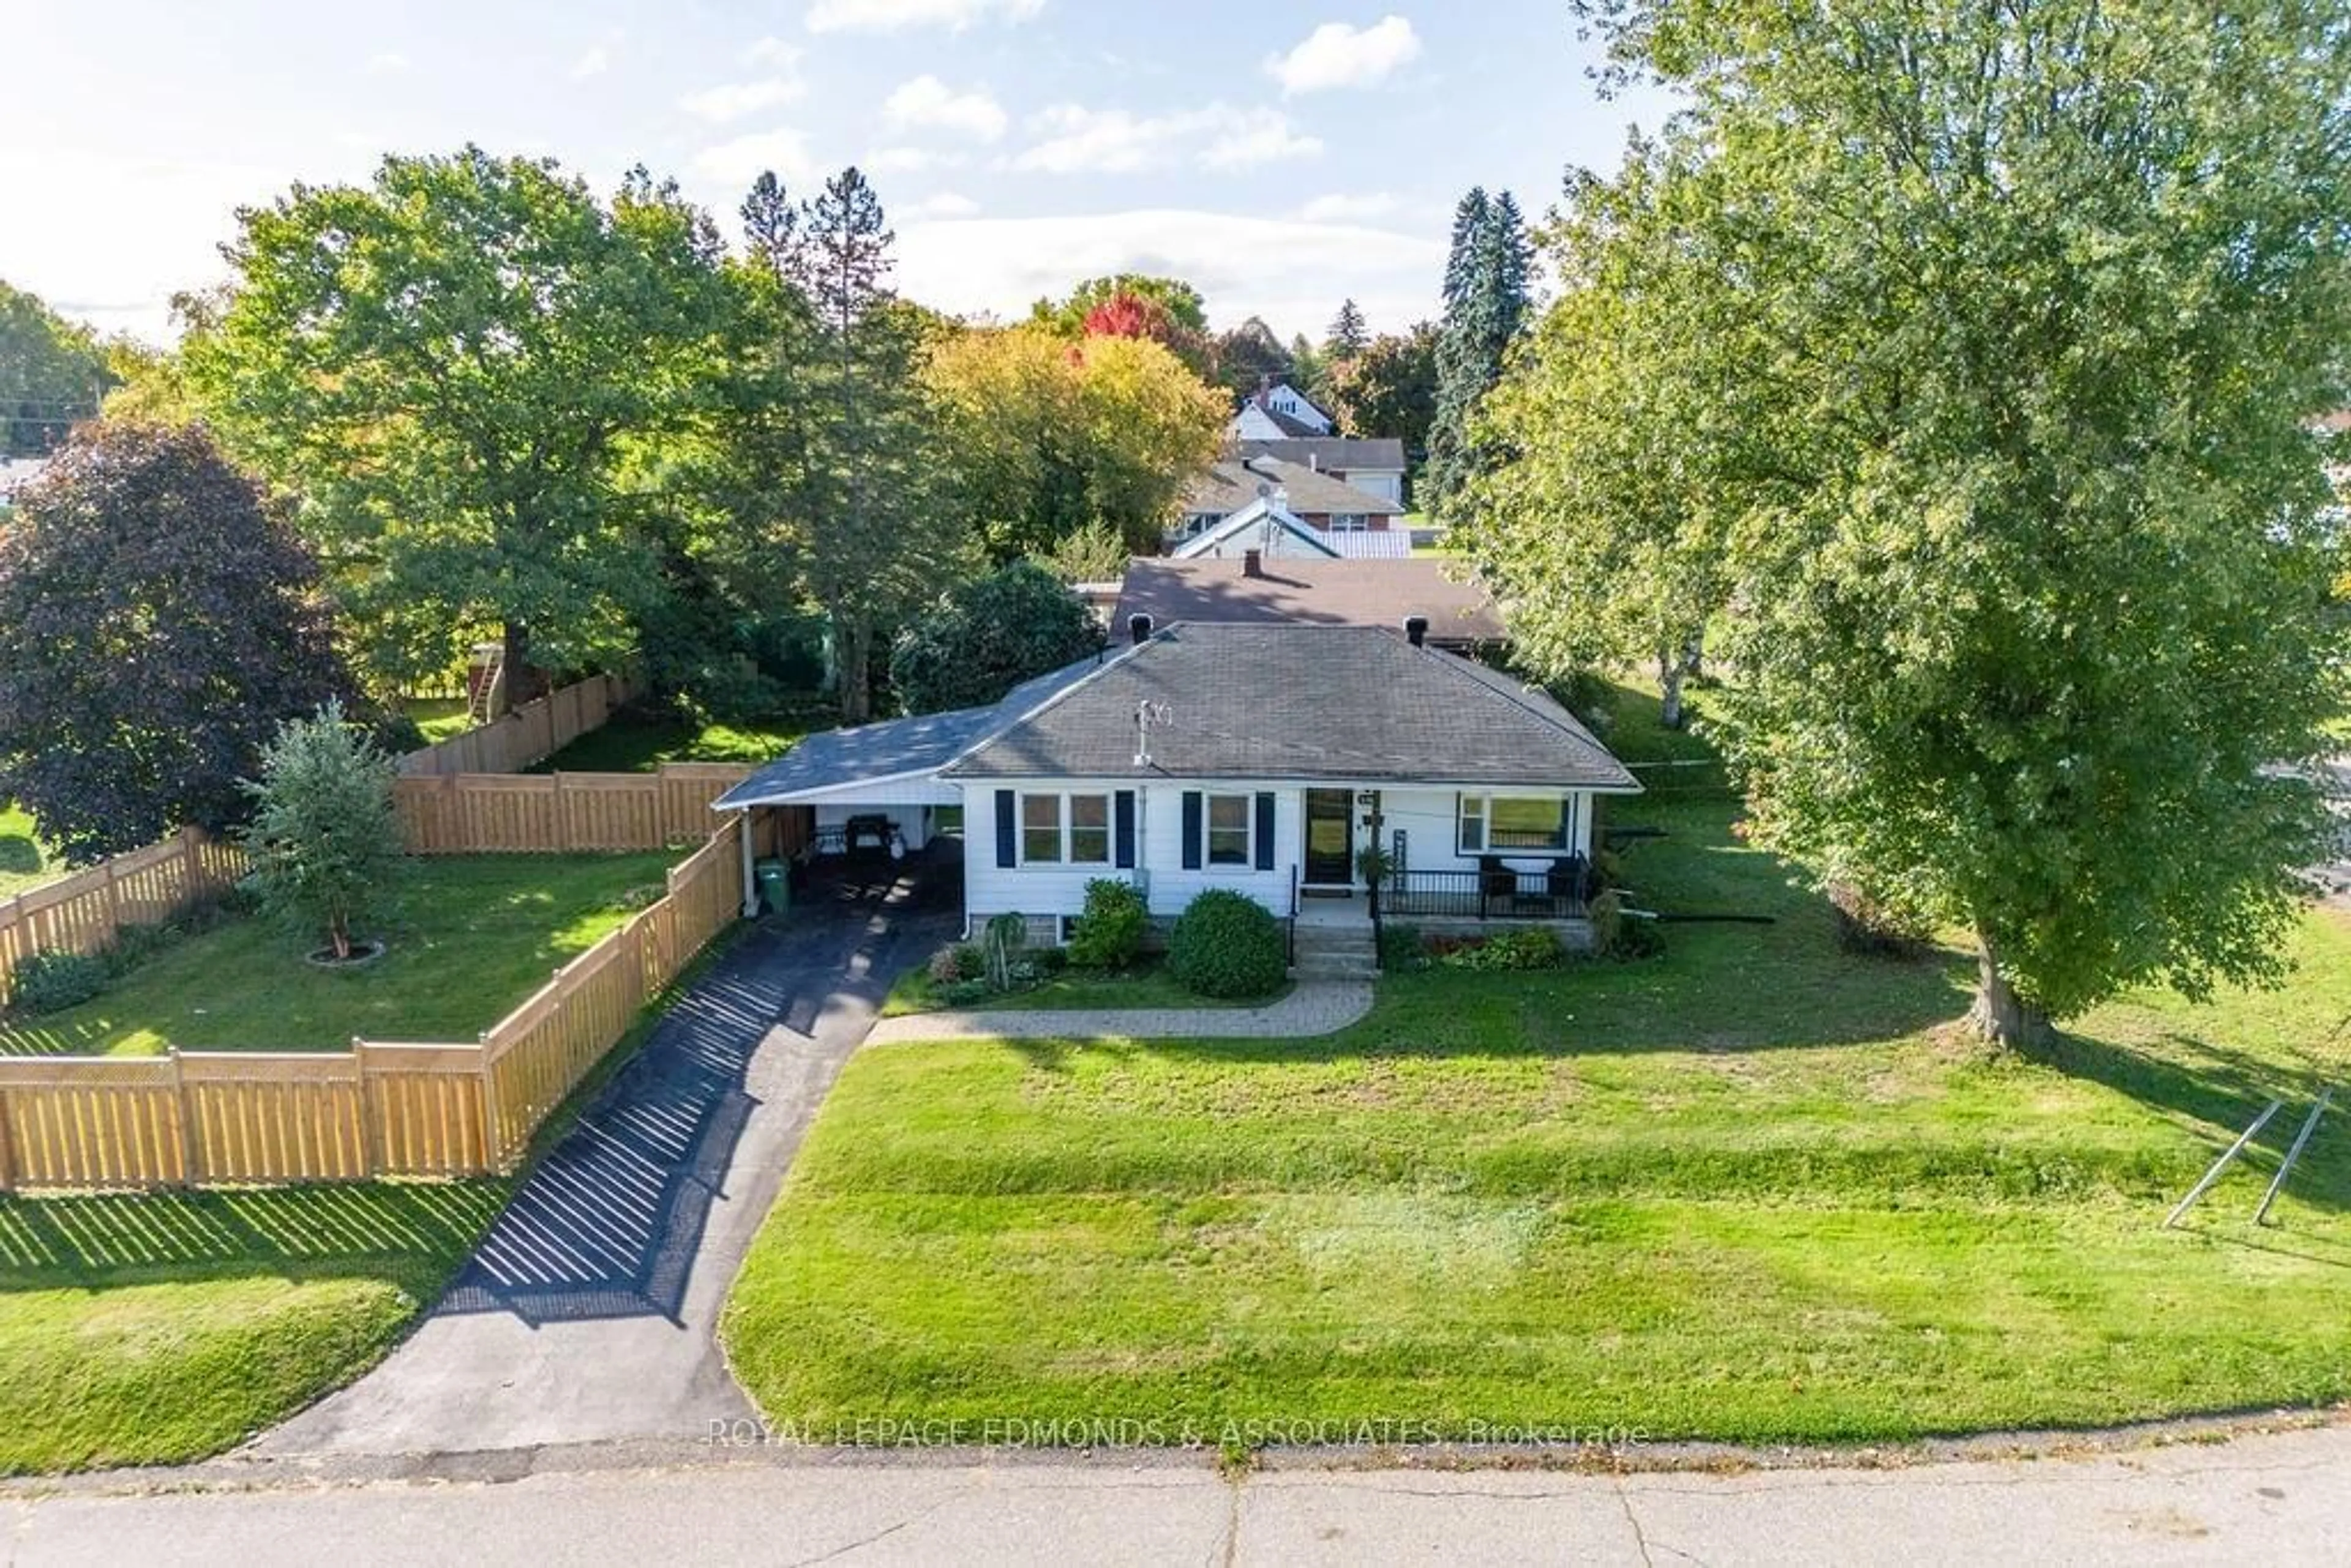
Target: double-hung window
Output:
[
  {"x": 1065, "y": 830},
  {"x": 1228, "y": 829}
]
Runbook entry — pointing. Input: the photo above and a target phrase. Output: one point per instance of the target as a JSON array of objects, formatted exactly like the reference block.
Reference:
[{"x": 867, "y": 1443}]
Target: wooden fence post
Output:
[
  {"x": 563, "y": 818},
  {"x": 191, "y": 1167},
  {"x": 7, "y": 1147}
]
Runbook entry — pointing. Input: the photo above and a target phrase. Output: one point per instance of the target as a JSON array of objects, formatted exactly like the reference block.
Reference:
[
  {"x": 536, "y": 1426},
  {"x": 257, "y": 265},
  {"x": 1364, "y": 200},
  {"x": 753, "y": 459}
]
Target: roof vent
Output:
[
  {"x": 1415, "y": 629},
  {"x": 1252, "y": 563},
  {"x": 1139, "y": 628}
]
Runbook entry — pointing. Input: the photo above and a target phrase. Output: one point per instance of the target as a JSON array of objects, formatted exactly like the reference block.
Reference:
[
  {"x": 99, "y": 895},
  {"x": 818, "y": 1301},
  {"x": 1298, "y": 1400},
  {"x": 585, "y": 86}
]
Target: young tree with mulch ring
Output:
[{"x": 325, "y": 838}]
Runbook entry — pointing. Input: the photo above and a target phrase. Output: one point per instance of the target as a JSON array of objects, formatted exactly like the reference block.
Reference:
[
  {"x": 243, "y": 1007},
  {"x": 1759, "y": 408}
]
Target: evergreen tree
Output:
[
  {"x": 855, "y": 515},
  {"x": 1487, "y": 277},
  {"x": 1350, "y": 335}
]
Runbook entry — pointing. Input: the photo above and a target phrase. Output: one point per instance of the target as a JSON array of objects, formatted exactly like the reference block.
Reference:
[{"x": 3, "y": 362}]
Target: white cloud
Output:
[
  {"x": 945, "y": 204},
  {"x": 773, "y": 51},
  {"x": 928, "y": 103},
  {"x": 734, "y": 99},
  {"x": 1339, "y": 54},
  {"x": 997, "y": 265},
  {"x": 595, "y": 62},
  {"x": 894, "y": 16},
  {"x": 1340, "y": 209},
  {"x": 391, "y": 62},
  {"x": 739, "y": 163},
  {"x": 1075, "y": 140}
]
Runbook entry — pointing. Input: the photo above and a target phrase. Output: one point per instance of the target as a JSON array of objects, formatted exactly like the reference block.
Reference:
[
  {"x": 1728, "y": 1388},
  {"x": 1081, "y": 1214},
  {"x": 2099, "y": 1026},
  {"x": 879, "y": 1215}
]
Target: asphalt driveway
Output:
[{"x": 587, "y": 1314}]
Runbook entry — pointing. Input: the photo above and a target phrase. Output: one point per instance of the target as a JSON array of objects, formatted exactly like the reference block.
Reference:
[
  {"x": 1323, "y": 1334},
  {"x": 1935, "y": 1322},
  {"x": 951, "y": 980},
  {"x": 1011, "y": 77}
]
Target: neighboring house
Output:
[
  {"x": 1324, "y": 504},
  {"x": 1376, "y": 467},
  {"x": 1276, "y": 409},
  {"x": 1262, "y": 528},
  {"x": 1256, "y": 757},
  {"x": 1311, "y": 592},
  {"x": 16, "y": 473}
]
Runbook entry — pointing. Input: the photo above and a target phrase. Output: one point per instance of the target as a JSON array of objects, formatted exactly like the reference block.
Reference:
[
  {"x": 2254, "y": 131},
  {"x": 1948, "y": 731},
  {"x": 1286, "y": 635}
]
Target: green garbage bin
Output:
[{"x": 775, "y": 879}]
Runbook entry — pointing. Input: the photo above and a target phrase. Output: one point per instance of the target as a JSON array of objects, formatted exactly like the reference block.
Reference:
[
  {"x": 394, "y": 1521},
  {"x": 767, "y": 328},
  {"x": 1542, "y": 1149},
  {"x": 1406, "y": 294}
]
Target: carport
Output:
[{"x": 874, "y": 788}]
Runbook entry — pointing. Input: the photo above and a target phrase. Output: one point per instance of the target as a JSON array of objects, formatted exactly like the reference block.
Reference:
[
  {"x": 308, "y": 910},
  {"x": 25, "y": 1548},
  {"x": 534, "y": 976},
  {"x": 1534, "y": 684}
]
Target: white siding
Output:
[
  {"x": 1426, "y": 815},
  {"x": 991, "y": 889},
  {"x": 1252, "y": 425},
  {"x": 1386, "y": 483},
  {"x": 1428, "y": 820}
]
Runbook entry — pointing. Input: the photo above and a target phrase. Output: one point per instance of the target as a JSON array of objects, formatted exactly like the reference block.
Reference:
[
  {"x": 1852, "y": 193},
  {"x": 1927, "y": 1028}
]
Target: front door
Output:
[{"x": 1330, "y": 837}]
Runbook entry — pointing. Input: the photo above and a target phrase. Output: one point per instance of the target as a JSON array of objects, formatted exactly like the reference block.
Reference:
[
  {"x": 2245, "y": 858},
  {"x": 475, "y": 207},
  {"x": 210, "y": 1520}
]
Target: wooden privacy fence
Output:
[
  {"x": 87, "y": 911},
  {"x": 496, "y": 813},
  {"x": 531, "y": 732},
  {"x": 194, "y": 1119}
]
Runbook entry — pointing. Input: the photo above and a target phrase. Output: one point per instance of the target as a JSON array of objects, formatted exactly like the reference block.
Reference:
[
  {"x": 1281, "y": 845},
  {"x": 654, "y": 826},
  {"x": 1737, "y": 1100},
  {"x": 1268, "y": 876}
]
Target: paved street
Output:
[{"x": 2276, "y": 1500}]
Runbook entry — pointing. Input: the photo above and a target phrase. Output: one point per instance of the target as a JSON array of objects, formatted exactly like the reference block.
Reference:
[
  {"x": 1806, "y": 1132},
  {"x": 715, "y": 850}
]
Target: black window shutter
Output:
[
  {"x": 1007, "y": 847},
  {"x": 1265, "y": 830},
  {"x": 1123, "y": 807},
  {"x": 1192, "y": 856}
]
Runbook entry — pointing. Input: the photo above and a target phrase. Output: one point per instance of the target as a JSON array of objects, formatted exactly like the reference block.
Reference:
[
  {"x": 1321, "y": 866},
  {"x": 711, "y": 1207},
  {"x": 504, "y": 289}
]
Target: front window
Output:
[
  {"x": 1090, "y": 830},
  {"x": 1498, "y": 822},
  {"x": 1040, "y": 829},
  {"x": 1065, "y": 830},
  {"x": 1349, "y": 522},
  {"x": 1228, "y": 829}
]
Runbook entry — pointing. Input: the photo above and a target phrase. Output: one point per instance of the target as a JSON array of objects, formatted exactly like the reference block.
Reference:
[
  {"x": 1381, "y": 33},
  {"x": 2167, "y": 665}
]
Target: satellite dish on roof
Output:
[
  {"x": 1264, "y": 490},
  {"x": 1146, "y": 714}
]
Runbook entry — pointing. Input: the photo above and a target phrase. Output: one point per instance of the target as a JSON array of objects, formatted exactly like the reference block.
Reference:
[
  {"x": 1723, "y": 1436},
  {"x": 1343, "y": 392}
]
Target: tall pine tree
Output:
[
  {"x": 1350, "y": 335},
  {"x": 1487, "y": 277},
  {"x": 853, "y": 516}
]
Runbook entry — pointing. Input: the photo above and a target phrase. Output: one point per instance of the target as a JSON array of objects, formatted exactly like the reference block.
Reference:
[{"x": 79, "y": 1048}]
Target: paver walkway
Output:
[{"x": 1313, "y": 1007}]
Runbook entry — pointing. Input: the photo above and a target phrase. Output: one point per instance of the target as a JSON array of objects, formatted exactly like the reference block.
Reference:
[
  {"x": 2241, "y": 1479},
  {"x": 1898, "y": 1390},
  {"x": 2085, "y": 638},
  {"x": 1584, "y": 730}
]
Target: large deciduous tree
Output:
[
  {"x": 1979, "y": 348},
  {"x": 1389, "y": 389},
  {"x": 157, "y": 618},
  {"x": 1045, "y": 438},
  {"x": 985, "y": 637},
  {"x": 52, "y": 375},
  {"x": 1488, "y": 282},
  {"x": 450, "y": 365}
]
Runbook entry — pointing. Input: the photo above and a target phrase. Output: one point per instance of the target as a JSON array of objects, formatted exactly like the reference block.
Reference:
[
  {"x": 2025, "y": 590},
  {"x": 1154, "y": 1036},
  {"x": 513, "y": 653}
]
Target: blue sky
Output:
[{"x": 1281, "y": 156}]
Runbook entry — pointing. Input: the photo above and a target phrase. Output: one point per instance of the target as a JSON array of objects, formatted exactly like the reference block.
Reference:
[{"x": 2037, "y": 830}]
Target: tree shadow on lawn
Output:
[{"x": 411, "y": 1233}]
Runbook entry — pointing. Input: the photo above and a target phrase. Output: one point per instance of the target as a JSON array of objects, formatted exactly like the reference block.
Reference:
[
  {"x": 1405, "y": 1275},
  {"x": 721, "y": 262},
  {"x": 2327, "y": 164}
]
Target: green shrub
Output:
[
  {"x": 1615, "y": 933},
  {"x": 50, "y": 981},
  {"x": 1869, "y": 927},
  {"x": 1225, "y": 944},
  {"x": 1049, "y": 961},
  {"x": 963, "y": 993},
  {"x": 1109, "y": 933}
]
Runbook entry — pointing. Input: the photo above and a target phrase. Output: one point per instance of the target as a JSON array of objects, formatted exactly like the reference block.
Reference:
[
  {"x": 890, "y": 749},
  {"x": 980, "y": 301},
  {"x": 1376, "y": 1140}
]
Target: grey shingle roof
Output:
[
  {"x": 896, "y": 745},
  {"x": 1341, "y": 702},
  {"x": 1232, "y": 484},
  {"x": 1316, "y": 592},
  {"x": 1344, "y": 453}
]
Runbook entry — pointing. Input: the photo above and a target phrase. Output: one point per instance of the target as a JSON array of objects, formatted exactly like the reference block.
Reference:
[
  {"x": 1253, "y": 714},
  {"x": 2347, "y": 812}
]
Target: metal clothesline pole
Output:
[
  {"x": 2277, "y": 1183},
  {"x": 2222, "y": 1164}
]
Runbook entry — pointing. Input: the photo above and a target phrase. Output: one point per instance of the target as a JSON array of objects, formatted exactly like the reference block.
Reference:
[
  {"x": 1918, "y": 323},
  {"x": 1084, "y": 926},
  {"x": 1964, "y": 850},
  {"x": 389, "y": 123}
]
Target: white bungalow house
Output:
[{"x": 1257, "y": 757}]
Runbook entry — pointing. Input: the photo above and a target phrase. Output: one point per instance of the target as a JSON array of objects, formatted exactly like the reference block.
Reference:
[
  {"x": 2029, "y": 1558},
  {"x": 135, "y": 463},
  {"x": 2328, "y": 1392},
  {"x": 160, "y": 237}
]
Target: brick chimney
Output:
[{"x": 1415, "y": 629}]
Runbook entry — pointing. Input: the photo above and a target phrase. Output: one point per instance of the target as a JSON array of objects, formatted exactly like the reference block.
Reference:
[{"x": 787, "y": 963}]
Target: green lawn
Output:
[
  {"x": 634, "y": 741},
  {"x": 474, "y": 936},
  {"x": 23, "y": 863},
  {"x": 1752, "y": 1190},
  {"x": 155, "y": 1329},
  {"x": 439, "y": 717},
  {"x": 1148, "y": 984}
]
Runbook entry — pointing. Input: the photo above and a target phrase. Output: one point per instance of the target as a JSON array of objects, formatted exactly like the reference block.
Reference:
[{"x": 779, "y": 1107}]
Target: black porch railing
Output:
[{"x": 1493, "y": 892}]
